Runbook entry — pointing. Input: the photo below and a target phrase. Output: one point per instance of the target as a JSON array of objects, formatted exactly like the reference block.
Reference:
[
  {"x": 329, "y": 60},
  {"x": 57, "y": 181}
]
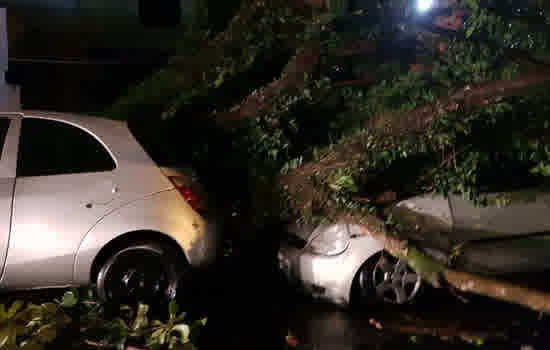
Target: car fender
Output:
[
  {"x": 164, "y": 212},
  {"x": 362, "y": 247}
]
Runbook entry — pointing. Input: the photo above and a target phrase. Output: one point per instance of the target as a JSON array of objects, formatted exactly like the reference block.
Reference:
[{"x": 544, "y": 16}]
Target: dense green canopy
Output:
[{"x": 337, "y": 108}]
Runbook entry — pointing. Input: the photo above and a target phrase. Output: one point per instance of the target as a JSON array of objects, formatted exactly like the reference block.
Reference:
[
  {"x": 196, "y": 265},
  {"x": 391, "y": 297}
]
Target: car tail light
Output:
[{"x": 192, "y": 193}]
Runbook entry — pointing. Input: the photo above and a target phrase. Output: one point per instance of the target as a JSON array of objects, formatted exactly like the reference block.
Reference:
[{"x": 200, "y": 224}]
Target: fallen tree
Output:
[{"x": 392, "y": 87}]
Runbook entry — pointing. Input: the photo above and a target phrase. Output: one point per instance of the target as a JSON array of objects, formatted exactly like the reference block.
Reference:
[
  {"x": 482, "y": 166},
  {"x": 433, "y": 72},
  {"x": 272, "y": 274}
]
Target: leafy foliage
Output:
[{"x": 79, "y": 317}]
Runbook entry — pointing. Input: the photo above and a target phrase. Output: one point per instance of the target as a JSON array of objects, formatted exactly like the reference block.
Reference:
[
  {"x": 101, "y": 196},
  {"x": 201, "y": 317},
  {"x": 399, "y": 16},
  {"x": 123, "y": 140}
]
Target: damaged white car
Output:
[{"x": 509, "y": 235}]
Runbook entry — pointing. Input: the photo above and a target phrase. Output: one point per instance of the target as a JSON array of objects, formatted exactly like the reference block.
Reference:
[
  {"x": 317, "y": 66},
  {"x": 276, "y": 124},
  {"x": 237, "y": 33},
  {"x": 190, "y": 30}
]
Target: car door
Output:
[
  {"x": 9, "y": 138},
  {"x": 64, "y": 185}
]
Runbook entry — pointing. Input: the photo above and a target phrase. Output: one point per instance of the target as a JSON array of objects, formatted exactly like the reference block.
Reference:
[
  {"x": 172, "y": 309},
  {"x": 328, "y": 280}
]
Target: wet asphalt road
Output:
[{"x": 250, "y": 306}]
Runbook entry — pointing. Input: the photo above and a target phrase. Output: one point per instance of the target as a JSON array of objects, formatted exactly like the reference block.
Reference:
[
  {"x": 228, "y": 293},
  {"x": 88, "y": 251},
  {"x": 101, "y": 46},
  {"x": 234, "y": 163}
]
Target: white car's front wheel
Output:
[
  {"x": 141, "y": 272},
  {"x": 388, "y": 279}
]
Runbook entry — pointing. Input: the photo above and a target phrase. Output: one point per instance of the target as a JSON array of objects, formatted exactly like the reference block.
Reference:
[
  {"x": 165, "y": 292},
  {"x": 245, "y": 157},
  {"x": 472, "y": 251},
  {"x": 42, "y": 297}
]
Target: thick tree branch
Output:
[
  {"x": 467, "y": 98},
  {"x": 439, "y": 328},
  {"x": 197, "y": 70},
  {"x": 305, "y": 195},
  {"x": 294, "y": 76}
]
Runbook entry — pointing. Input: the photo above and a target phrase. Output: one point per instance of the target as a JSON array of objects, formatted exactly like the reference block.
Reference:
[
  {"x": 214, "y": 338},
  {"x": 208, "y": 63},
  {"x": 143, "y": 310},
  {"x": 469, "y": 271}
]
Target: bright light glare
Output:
[{"x": 424, "y": 5}]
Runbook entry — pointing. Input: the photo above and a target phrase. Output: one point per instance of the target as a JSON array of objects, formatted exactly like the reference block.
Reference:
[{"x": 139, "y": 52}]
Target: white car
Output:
[
  {"x": 82, "y": 202},
  {"x": 509, "y": 237}
]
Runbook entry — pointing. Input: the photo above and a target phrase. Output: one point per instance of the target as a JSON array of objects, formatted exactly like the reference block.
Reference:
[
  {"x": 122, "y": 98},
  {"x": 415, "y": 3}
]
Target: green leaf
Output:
[
  {"x": 470, "y": 30},
  {"x": 16, "y": 306},
  {"x": 181, "y": 317},
  {"x": 183, "y": 330},
  {"x": 172, "y": 309},
  {"x": 473, "y": 4},
  {"x": 69, "y": 299},
  {"x": 49, "y": 308},
  {"x": 3, "y": 314},
  {"x": 8, "y": 335},
  {"x": 220, "y": 79},
  {"x": 141, "y": 320},
  {"x": 157, "y": 337},
  {"x": 541, "y": 169},
  {"x": 47, "y": 333},
  {"x": 31, "y": 345}
]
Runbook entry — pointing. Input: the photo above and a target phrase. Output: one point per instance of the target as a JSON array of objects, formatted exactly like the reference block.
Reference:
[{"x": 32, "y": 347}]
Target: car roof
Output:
[{"x": 75, "y": 118}]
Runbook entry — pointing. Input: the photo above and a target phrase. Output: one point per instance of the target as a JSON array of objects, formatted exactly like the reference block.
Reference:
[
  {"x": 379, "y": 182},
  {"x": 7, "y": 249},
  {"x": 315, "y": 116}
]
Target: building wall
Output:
[
  {"x": 117, "y": 8},
  {"x": 9, "y": 94},
  {"x": 59, "y": 4},
  {"x": 71, "y": 31}
]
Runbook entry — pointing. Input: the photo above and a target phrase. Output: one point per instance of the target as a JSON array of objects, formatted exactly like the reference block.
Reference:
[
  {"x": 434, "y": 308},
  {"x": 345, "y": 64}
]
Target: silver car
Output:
[
  {"x": 83, "y": 203},
  {"x": 508, "y": 237}
]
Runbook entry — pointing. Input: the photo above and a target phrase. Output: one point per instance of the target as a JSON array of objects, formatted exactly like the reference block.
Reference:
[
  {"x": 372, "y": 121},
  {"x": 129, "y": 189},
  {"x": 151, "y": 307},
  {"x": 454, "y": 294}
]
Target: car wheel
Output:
[
  {"x": 141, "y": 272},
  {"x": 388, "y": 279}
]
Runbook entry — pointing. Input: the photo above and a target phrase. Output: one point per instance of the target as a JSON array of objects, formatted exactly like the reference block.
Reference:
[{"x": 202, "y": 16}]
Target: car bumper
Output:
[
  {"x": 207, "y": 248},
  {"x": 324, "y": 277}
]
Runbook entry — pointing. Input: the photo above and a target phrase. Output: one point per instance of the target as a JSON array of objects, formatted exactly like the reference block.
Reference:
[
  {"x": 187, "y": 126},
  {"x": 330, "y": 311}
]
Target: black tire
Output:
[
  {"x": 363, "y": 290},
  {"x": 401, "y": 288},
  {"x": 141, "y": 272}
]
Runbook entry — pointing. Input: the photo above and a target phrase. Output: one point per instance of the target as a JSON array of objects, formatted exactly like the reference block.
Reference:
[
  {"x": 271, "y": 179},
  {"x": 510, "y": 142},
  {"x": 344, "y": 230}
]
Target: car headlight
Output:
[{"x": 330, "y": 239}]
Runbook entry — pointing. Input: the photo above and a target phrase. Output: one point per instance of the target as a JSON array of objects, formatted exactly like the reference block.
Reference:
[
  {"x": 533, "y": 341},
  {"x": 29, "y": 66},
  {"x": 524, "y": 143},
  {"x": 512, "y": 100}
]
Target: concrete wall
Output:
[
  {"x": 9, "y": 95},
  {"x": 59, "y": 4},
  {"x": 94, "y": 24},
  {"x": 102, "y": 8},
  {"x": 110, "y": 7}
]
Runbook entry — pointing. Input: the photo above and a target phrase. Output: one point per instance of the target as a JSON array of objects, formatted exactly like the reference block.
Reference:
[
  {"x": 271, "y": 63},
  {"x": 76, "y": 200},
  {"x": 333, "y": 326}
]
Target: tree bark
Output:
[{"x": 294, "y": 76}]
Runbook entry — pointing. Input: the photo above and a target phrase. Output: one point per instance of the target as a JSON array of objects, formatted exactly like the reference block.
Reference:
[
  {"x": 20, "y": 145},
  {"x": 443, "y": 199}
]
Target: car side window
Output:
[
  {"x": 49, "y": 147},
  {"x": 4, "y": 126}
]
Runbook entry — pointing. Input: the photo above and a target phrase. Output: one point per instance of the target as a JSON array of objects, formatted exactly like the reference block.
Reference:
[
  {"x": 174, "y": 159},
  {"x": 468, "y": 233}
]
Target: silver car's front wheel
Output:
[
  {"x": 390, "y": 279},
  {"x": 142, "y": 272}
]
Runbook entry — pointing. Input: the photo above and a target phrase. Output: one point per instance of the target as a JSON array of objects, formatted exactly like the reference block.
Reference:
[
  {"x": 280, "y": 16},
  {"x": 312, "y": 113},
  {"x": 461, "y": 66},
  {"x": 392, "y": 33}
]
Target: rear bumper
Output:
[{"x": 208, "y": 247}]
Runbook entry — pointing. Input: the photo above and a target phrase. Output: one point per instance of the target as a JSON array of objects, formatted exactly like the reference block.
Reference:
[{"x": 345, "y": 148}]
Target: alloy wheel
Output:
[{"x": 394, "y": 281}]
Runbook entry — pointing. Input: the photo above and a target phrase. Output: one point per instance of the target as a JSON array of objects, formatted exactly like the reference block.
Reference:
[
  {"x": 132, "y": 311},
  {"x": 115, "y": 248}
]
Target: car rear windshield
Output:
[{"x": 49, "y": 147}]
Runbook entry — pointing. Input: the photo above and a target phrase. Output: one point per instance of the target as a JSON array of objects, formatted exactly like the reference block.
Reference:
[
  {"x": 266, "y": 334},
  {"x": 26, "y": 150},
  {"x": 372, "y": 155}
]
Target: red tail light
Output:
[{"x": 191, "y": 193}]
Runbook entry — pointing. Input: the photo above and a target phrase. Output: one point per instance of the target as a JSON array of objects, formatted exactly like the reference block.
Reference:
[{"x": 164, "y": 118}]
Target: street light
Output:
[{"x": 424, "y": 5}]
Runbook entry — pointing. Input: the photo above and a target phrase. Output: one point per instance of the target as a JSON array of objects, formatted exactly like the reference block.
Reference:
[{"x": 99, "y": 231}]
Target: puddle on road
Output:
[
  {"x": 449, "y": 324},
  {"x": 250, "y": 306}
]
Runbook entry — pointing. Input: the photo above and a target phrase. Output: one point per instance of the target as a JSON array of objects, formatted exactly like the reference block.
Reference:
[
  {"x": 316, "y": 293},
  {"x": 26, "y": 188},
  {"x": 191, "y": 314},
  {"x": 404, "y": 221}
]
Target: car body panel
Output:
[
  {"x": 429, "y": 205},
  {"x": 7, "y": 184},
  {"x": 51, "y": 215},
  {"x": 328, "y": 277},
  {"x": 164, "y": 212},
  {"x": 506, "y": 257},
  {"x": 527, "y": 212},
  {"x": 498, "y": 239},
  {"x": 55, "y": 212},
  {"x": 60, "y": 222}
]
